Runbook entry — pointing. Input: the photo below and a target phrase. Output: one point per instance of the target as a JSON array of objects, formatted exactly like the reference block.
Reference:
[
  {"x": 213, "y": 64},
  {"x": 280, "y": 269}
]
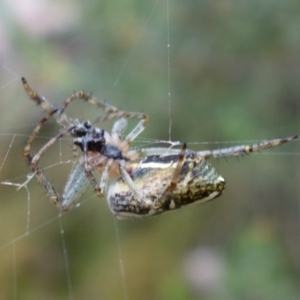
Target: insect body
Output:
[
  {"x": 173, "y": 181},
  {"x": 198, "y": 181}
]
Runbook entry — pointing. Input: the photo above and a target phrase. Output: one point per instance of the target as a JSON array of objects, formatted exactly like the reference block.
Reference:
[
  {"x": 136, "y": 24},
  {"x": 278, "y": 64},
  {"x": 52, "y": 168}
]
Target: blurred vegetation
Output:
[{"x": 233, "y": 73}]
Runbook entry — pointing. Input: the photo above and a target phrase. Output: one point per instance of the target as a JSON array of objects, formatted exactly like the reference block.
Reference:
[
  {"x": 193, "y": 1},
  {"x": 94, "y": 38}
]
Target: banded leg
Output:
[
  {"x": 127, "y": 115},
  {"x": 39, "y": 100},
  {"x": 224, "y": 152},
  {"x": 245, "y": 149},
  {"x": 111, "y": 111},
  {"x": 26, "y": 151},
  {"x": 52, "y": 194},
  {"x": 61, "y": 118}
]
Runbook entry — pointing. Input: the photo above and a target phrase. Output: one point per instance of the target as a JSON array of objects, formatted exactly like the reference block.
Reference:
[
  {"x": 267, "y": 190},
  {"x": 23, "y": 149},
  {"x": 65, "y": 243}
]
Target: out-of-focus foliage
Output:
[{"x": 232, "y": 69}]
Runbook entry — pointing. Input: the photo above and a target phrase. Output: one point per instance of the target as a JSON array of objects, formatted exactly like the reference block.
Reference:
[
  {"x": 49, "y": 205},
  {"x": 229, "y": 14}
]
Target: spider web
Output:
[{"x": 203, "y": 72}]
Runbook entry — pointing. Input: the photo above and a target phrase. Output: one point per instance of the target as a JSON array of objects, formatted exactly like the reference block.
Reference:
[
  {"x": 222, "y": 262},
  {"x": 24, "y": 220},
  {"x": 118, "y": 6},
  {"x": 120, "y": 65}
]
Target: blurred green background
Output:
[{"x": 232, "y": 70}]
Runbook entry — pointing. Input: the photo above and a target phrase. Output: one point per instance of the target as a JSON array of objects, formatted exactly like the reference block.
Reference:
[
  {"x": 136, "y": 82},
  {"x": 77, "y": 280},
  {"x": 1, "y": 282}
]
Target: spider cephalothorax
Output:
[{"x": 92, "y": 139}]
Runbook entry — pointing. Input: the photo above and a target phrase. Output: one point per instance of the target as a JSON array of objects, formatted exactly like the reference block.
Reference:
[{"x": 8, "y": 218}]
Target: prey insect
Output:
[{"x": 169, "y": 182}]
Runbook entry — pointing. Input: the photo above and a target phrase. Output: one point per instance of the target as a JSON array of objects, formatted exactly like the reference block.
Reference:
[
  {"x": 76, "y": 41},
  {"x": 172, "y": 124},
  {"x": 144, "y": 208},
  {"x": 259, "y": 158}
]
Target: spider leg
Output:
[
  {"x": 26, "y": 151},
  {"x": 52, "y": 194},
  {"x": 126, "y": 177},
  {"x": 118, "y": 129},
  {"x": 245, "y": 149},
  {"x": 39, "y": 100},
  {"x": 224, "y": 152},
  {"x": 33, "y": 161},
  {"x": 136, "y": 130},
  {"x": 116, "y": 139},
  {"x": 127, "y": 115},
  {"x": 89, "y": 99},
  {"x": 59, "y": 116},
  {"x": 161, "y": 151}
]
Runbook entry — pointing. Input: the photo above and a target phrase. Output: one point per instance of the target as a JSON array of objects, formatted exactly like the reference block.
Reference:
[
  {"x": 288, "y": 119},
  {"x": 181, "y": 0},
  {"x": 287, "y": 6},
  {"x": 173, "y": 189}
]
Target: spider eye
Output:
[
  {"x": 87, "y": 124},
  {"x": 81, "y": 129}
]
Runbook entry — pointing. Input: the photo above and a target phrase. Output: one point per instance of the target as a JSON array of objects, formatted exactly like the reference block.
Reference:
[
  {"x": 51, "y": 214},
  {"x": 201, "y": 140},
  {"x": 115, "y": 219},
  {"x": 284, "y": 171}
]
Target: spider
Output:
[
  {"x": 149, "y": 181},
  {"x": 105, "y": 153}
]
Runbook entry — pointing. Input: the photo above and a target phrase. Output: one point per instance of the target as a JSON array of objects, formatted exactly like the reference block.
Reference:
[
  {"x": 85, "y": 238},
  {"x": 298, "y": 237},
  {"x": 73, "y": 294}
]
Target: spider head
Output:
[
  {"x": 88, "y": 138},
  {"x": 81, "y": 129}
]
